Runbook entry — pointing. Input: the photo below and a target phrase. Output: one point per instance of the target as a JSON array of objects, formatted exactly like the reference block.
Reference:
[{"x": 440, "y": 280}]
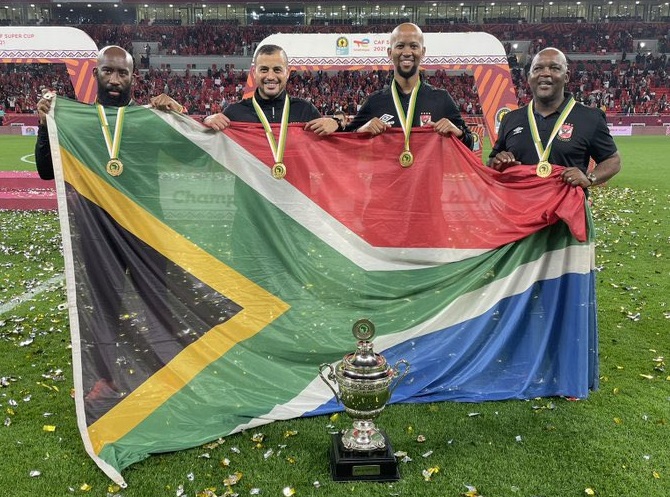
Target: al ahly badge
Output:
[{"x": 565, "y": 132}]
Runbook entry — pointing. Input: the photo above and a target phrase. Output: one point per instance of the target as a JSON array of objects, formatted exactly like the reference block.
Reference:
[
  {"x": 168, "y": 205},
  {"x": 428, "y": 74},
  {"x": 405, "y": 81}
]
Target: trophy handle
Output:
[
  {"x": 332, "y": 377},
  {"x": 395, "y": 373}
]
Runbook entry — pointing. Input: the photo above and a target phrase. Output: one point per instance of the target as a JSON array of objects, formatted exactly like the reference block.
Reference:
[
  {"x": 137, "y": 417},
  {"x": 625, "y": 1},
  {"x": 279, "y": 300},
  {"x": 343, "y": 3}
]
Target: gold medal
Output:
[
  {"x": 114, "y": 167},
  {"x": 278, "y": 170},
  {"x": 406, "y": 119},
  {"x": 543, "y": 169},
  {"x": 406, "y": 158},
  {"x": 277, "y": 147}
]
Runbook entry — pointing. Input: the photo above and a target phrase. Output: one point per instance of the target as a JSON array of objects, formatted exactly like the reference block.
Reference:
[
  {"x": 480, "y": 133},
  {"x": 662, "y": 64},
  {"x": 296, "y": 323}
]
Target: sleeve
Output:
[
  {"x": 602, "y": 144},
  {"x": 363, "y": 115},
  {"x": 239, "y": 111},
  {"x": 45, "y": 167},
  {"x": 500, "y": 145}
]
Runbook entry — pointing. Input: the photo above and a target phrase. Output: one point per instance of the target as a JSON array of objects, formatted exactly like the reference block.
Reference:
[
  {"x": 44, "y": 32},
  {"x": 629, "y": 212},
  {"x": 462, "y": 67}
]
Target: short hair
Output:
[{"x": 269, "y": 50}]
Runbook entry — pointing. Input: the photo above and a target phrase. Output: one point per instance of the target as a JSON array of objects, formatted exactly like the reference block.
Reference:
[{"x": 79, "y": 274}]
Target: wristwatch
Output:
[{"x": 591, "y": 177}]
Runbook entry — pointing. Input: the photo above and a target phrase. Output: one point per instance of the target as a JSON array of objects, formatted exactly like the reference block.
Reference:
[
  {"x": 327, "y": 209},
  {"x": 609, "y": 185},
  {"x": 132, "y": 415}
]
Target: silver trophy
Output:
[{"x": 364, "y": 379}]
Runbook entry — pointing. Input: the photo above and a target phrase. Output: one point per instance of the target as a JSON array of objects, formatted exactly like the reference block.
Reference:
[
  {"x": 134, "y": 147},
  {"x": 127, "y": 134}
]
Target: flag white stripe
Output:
[
  {"x": 307, "y": 213},
  {"x": 576, "y": 259}
]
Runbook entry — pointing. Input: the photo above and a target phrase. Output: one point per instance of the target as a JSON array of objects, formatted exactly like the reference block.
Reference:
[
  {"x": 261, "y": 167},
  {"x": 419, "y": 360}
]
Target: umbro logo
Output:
[
  {"x": 387, "y": 118},
  {"x": 517, "y": 130}
]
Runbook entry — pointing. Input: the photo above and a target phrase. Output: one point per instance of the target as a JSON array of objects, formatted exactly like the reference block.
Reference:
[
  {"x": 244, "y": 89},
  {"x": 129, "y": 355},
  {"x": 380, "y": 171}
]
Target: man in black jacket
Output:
[
  {"x": 114, "y": 75},
  {"x": 106, "y": 268},
  {"x": 270, "y": 76},
  {"x": 409, "y": 100}
]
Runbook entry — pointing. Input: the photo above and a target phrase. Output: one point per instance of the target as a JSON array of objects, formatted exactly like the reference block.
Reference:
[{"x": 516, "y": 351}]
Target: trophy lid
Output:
[{"x": 364, "y": 363}]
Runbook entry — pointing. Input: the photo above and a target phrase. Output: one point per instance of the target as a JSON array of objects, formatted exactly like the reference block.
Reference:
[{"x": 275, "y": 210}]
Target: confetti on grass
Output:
[
  {"x": 428, "y": 473},
  {"x": 472, "y": 492}
]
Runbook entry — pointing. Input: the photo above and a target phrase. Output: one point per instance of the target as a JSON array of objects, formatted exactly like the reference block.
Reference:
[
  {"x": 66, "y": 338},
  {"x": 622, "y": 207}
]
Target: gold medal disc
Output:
[
  {"x": 406, "y": 158},
  {"x": 543, "y": 169},
  {"x": 278, "y": 170},
  {"x": 114, "y": 167}
]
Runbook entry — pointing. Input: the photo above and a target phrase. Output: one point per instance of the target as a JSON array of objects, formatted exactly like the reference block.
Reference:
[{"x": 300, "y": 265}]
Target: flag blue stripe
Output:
[{"x": 528, "y": 345}]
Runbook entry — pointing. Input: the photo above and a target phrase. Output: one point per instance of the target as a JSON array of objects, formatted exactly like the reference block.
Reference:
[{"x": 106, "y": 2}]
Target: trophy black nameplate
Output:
[{"x": 353, "y": 465}]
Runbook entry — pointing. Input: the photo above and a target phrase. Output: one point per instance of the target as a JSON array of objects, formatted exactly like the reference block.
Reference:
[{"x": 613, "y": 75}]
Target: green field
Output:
[
  {"x": 18, "y": 153},
  {"x": 616, "y": 443}
]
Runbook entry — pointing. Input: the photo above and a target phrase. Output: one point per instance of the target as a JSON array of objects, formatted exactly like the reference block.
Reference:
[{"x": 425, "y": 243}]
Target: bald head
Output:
[
  {"x": 553, "y": 53},
  {"x": 116, "y": 52},
  {"x": 405, "y": 29}
]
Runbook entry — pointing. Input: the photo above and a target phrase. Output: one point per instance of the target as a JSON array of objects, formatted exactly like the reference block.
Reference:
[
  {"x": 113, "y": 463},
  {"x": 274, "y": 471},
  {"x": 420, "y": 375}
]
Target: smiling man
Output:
[
  {"x": 270, "y": 75},
  {"x": 555, "y": 129},
  {"x": 409, "y": 102}
]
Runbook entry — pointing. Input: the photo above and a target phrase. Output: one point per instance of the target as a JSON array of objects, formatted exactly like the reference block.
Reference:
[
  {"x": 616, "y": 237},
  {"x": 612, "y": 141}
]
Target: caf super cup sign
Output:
[{"x": 364, "y": 379}]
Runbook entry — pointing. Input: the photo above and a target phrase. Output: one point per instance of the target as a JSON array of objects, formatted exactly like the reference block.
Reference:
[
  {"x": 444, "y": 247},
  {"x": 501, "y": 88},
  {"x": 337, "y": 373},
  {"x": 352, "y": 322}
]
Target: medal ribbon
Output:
[
  {"x": 113, "y": 144},
  {"x": 405, "y": 120},
  {"x": 543, "y": 153},
  {"x": 277, "y": 148}
]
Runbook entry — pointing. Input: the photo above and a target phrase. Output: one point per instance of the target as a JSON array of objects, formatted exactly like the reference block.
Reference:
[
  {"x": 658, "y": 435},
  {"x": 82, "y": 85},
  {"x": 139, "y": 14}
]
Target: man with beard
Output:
[
  {"x": 554, "y": 129},
  {"x": 270, "y": 99},
  {"x": 409, "y": 100},
  {"x": 114, "y": 75},
  {"x": 110, "y": 270}
]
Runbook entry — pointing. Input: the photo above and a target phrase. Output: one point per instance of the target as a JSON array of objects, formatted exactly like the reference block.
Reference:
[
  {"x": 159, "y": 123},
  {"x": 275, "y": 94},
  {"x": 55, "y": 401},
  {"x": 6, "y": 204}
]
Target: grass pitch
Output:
[
  {"x": 613, "y": 444},
  {"x": 17, "y": 153}
]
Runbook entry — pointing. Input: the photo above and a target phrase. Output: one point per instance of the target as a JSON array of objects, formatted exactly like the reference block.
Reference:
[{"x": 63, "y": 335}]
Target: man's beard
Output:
[
  {"x": 407, "y": 74},
  {"x": 120, "y": 100}
]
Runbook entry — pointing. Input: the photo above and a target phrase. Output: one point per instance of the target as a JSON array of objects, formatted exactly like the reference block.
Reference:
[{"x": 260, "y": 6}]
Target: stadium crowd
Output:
[
  {"x": 637, "y": 85},
  {"x": 232, "y": 39}
]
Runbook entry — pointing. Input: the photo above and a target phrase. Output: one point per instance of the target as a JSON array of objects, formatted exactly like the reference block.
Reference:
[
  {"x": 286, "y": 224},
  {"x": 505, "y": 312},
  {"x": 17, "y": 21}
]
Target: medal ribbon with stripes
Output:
[
  {"x": 114, "y": 166},
  {"x": 543, "y": 166},
  {"x": 406, "y": 158},
  {"x": 277, "y": 148}
]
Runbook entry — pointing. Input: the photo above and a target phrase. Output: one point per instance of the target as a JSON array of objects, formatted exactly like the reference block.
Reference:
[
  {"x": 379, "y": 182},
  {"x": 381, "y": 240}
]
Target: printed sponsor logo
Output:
[
  {"x": 361, "y": 45},
  {"x": 342, "y": 46},
  {"x": 388, "y": 119},
  {"x": 476, "y": 142},
  {"x": 502, "y": 112}
]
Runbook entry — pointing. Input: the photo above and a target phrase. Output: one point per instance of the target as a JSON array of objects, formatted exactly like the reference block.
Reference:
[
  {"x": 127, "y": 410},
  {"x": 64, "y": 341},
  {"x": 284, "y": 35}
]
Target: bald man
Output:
[
  {"x": 434, "y": 107},
  {"x": 581, "y": 132},
  {"x": 114, "y": 74}
]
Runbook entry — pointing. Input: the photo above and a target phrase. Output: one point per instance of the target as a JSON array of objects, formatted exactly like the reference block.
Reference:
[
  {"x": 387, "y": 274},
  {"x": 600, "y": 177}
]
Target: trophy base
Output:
[{"x": 349, "y": 465}]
